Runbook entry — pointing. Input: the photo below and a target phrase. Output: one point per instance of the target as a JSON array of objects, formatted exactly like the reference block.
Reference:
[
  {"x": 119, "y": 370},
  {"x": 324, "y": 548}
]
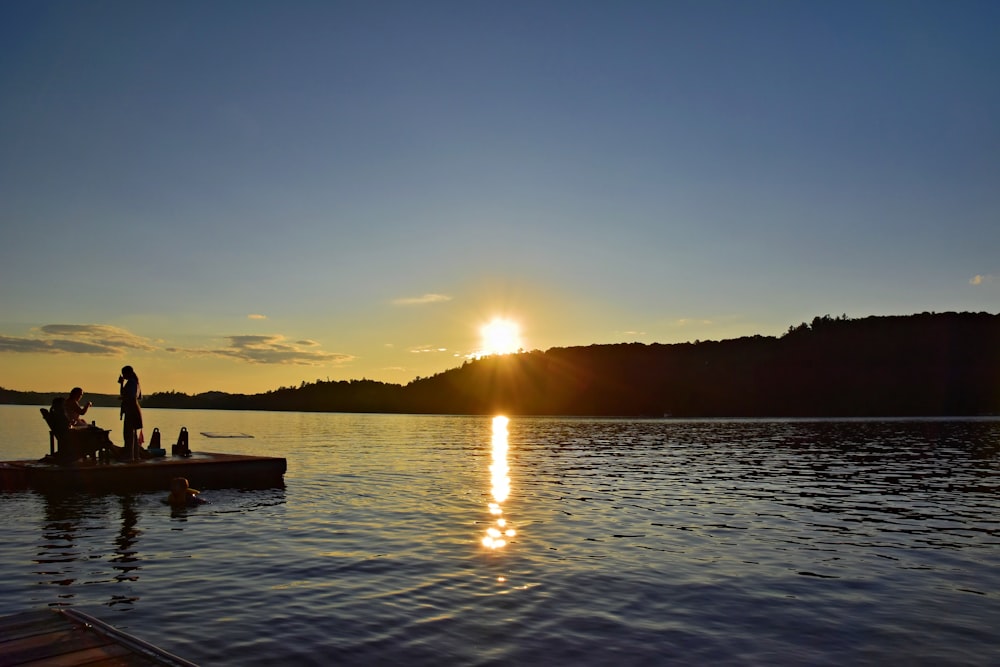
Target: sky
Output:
[{"x": 241, "y": 196}]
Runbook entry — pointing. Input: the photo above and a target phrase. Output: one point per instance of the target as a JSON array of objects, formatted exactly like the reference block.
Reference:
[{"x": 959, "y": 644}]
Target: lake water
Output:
[{"x": 436, "y": 540}]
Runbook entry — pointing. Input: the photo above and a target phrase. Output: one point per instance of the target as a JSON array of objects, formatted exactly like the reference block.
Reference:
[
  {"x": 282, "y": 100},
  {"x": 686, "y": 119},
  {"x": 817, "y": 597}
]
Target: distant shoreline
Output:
[{"x": 925, "y": 365}]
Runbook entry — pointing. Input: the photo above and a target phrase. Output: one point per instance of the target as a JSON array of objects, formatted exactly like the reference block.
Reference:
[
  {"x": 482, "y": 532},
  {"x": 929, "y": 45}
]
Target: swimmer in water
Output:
[{"x": 182, "y": 495}]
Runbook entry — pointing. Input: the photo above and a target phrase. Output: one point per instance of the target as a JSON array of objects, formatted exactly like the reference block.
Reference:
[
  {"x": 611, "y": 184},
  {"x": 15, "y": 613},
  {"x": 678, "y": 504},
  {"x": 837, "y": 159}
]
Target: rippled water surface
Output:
[{"x": 432, "y": 540}]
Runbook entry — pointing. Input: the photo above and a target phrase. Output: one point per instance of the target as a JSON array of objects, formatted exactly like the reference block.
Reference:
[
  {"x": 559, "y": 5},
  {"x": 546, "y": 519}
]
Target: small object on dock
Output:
[
  {"x": 155, "y": 448},
  {"x": 70, "y": 637},
  {"x": 182, "y": 448}
]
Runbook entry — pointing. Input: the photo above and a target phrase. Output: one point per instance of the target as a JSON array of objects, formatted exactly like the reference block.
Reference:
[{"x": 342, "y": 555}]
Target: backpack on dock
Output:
[{"x": 182, "y": 448}]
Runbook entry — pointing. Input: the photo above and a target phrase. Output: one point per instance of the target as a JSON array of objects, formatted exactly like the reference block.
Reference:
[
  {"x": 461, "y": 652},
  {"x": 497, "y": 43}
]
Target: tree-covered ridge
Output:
[
  {"x": 947, "y": 364},
  {"x": 928, "y": 364}
]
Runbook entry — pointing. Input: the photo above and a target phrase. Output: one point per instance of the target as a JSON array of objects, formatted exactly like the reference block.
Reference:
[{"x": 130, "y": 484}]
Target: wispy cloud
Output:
[
  {"x": 424, "y": 349},
  {"x": 276, "y": 349},
  {"x": 30, "y": 345},
  {"x": 256, "y": 316},
  {"x": 421, "y": 300},
  {"x": 981, "y": 279},
  {"x": 97, "y": 339},
  {"x": 105, "y": 340}
]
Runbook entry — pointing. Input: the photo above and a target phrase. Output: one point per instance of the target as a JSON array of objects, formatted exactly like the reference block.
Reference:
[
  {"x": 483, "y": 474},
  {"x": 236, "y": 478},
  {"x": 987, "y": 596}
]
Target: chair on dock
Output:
[{"x": 67, "y": 445}]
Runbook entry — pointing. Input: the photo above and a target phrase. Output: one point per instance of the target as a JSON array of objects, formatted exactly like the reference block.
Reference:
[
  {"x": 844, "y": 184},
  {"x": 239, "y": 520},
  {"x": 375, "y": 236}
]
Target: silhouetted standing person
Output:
[{"x": 131, "y": 413}]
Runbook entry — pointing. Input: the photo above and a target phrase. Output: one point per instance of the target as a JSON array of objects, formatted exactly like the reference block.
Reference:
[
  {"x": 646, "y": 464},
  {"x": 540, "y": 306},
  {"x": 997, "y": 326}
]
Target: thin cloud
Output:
[
  {"x": 423, "y": 349},
  {"x": 28, "y": 345},
  {"x": 96, "y": 339},
  {"x": 981, "y": 279},
  {"x": 421, "y": 300},
  {"x": 276, "y": 349},
  {"x": 256, "y": 316},
  {"x": 101, "y": 335},
  {"x": 110, "y": 341}
]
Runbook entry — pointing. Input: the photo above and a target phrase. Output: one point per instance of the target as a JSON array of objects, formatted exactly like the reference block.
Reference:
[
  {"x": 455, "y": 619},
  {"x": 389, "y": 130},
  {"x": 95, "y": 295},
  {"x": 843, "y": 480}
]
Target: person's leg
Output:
[{"x": 128, "y": 438}]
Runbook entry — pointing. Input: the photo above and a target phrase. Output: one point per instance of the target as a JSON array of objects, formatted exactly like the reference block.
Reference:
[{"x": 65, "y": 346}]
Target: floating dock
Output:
[
  {"x": 204, "y": 470},
  {"x": 68, "y": 638}
]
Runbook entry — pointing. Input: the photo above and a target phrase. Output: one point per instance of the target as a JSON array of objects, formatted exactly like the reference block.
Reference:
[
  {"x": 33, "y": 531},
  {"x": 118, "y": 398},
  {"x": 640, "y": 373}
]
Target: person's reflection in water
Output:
[
  {"x": 125, "y": 559},
  {"x": 499, "y": 531},
  {"x": 59, "y": 554}
]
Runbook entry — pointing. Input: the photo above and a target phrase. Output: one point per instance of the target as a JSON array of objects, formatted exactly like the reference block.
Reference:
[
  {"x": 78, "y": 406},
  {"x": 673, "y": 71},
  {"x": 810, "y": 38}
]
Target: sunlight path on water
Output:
[{"x": 498, "y": 531}]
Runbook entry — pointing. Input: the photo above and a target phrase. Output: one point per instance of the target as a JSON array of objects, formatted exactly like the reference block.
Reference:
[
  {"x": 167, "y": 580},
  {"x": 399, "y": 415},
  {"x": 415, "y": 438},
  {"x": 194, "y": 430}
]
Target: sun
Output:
[{"x": 500, "y": 336}]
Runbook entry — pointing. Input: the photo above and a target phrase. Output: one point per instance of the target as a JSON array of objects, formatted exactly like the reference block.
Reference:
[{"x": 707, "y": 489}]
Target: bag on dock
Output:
[
  {"x": 154, "y": 444},
  {"x": 181, "y": 448}
]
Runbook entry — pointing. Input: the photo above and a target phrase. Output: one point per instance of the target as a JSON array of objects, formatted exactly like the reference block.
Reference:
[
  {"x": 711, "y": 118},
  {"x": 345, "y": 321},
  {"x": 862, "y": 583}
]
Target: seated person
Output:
[
  {"x": 181, "y": 495},
  {"x": 75, "y": 411},
  {"x": 75, "y": 443},
  {"x": 57, "y": 419}
]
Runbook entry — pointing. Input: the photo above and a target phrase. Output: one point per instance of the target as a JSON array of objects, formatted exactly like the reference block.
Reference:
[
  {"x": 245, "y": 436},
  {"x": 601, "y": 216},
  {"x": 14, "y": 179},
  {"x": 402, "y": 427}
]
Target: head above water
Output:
[{"x": 179, "y": 488}]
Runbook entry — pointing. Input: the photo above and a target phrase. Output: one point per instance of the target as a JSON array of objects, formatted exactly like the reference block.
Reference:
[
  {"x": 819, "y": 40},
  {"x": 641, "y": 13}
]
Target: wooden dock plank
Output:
[
  {"x": 49, "y": 644},
  {"x": 46, "y": 637},
  {"x": 69, "y": 638},
  {"x": 26, "y": 624},
  {"x": 109, "y": 654}
]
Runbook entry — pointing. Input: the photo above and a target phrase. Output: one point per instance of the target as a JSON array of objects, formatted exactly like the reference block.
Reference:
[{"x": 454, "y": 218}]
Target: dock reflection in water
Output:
[{"x": 498, "y": 532}]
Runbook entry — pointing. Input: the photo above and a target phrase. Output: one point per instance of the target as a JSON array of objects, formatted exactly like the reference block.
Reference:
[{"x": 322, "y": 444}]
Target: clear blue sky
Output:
[{"x": 245, "y": 195}]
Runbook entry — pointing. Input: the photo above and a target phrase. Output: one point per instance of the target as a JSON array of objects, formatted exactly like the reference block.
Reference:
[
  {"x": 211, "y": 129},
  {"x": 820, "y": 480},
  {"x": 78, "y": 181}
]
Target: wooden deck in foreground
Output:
[{"x": 67, "y": 637}]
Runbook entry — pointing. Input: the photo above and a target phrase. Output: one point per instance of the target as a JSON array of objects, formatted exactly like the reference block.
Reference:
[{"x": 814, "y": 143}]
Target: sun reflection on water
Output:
[{"x": 498, "y": 532}]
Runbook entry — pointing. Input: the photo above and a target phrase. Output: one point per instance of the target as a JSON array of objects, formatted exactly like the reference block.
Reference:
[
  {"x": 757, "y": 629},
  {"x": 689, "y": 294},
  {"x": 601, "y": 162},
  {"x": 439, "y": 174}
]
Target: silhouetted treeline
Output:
[
  {"x": 11, "y": 397},
  {"x": 330, "y": 396},
  {"x": 928, "y": 364}
]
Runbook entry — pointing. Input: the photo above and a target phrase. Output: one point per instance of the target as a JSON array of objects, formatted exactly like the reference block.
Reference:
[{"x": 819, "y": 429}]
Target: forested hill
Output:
[{"x": 929, "y": 364}]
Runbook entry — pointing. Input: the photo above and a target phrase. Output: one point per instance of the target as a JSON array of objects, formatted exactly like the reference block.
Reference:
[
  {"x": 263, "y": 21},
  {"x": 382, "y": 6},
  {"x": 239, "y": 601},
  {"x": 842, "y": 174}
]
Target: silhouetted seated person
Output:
[
  {"x": 74, "y": 410},
  {"x": 55, "y": 416},
  {"x": 75, "y": 443},
  {"x": 182, "y": 495}
]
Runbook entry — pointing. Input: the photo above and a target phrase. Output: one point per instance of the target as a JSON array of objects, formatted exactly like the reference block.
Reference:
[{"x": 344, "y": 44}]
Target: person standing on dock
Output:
[{"x": 130, "y": 394}]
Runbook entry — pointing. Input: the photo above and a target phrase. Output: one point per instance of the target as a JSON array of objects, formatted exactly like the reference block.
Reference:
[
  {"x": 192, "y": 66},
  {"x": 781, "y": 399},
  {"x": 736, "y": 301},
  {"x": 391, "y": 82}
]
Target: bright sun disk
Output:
[{"x": 500, "y": 336}]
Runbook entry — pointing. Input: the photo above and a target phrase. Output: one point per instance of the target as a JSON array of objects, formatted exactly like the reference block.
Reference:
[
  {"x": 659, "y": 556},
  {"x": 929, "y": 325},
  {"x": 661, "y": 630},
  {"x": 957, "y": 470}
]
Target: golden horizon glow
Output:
[
  {"x": 500, "y": 487},
  {"x": 500, "y": 336}
]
